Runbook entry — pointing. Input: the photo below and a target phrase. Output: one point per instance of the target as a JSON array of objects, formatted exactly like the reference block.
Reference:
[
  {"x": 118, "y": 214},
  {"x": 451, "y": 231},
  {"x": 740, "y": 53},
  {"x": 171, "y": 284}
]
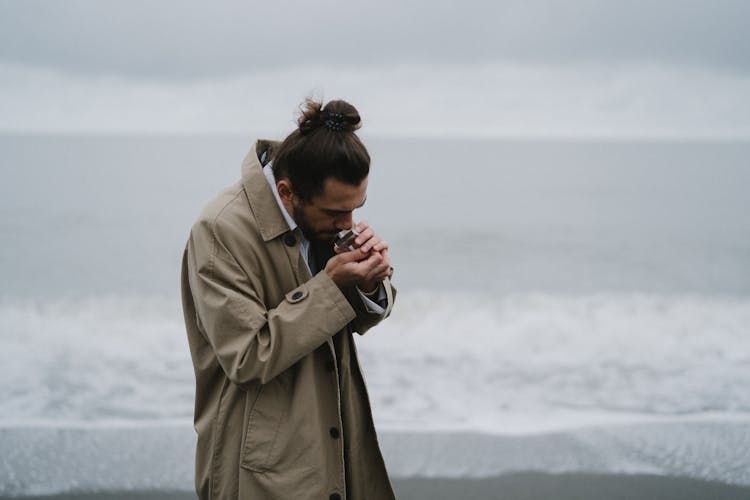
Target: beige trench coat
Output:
[{"x": 281, "y": 409}]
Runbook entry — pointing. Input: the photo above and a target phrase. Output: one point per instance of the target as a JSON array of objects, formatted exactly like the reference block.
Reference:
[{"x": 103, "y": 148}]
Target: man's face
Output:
[{"x": 325, "y": 215}]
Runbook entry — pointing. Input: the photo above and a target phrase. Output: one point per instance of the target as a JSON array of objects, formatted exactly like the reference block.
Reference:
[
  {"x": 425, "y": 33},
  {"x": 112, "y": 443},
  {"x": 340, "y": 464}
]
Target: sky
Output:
[{"x": 532, "y": 68}]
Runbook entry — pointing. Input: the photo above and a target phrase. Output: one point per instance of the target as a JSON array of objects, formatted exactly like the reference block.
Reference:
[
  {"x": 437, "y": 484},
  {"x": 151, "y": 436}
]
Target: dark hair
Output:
[{"x": 323, "y": 145}]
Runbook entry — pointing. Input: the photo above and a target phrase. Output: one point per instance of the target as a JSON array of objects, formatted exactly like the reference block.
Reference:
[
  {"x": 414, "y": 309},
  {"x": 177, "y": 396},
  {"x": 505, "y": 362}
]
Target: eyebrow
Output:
[{"x": 335, "y": 211}]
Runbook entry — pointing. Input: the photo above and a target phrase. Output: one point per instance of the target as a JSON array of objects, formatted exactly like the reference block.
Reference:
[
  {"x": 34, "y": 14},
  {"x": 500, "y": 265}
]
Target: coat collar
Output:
[{"x": 271, "y": 222}]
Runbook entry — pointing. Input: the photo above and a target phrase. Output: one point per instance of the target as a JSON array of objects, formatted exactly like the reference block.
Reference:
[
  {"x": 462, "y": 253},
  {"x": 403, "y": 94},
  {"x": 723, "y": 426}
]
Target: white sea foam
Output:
[
  {"x": 98, "y": 358},
  {"x": 462, "y": 385},
  {"x": 493, "y": 363},
  {"x": 483, "y": 362}
]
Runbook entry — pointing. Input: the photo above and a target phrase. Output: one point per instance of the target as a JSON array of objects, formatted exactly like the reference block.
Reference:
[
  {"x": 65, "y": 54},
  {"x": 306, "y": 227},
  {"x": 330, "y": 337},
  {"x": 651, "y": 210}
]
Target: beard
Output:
[
  {"x": 321, "y": 242},
  {"x": 307, "y": 230}
]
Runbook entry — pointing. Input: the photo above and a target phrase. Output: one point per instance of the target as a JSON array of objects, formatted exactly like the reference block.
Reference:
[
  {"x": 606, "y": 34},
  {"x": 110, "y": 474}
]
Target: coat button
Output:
[
  {"x": 334, "y": 496},
  {"x": 334, "y": 432},
  {"x": 330, "y": 366},
  {"x": 289, "y": 240},
  {"x": 296, "y": 295}
]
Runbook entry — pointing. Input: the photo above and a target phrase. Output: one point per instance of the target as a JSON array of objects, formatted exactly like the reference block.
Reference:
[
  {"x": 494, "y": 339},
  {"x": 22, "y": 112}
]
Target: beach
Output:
[
  {"x": 586, "y": 336},
  {"x": 666, "y": 460},
  {"x": 519, "y": 486}
]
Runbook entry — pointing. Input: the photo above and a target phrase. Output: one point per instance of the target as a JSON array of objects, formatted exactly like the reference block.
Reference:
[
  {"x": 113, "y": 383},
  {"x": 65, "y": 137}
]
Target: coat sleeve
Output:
[
  {"x": 252, "y": 343},
  {"x": 366, "y": 319}
]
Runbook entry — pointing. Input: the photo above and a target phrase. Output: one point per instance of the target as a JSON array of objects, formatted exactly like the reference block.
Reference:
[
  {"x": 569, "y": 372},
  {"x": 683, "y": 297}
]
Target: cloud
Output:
[
  {"x": 585, "y": 100},
  {"x": 177, "y": 39}
]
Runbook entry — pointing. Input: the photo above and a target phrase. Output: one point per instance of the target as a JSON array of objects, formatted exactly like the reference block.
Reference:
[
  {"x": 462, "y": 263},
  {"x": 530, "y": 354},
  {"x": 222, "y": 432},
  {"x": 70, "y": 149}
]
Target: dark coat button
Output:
[
  {"x": 334, "y": 432},
  {"x": 290, "y": 240},
  {"x": 334, "y": 496},
  {"x": 330, "y": 366},
  {"x": 296, "y": 295}
]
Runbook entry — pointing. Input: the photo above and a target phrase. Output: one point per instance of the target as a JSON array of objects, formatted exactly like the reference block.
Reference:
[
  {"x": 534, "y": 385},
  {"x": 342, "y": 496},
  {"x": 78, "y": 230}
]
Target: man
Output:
[{"x": 281, "y": 409}]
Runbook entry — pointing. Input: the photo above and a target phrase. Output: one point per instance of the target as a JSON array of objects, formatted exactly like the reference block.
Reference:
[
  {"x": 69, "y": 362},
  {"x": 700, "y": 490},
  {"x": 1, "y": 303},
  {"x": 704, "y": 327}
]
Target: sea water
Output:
[{"x": 543, "y": 288}]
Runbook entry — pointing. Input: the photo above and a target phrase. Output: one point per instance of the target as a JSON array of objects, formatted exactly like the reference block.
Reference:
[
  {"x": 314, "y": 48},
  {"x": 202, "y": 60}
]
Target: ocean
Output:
[{"x": 562, "y": 306}]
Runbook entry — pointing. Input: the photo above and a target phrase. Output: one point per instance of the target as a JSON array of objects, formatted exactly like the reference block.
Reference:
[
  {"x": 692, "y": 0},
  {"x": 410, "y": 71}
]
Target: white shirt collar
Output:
[
  {"x": 268, "y": 171},
  {"x": 304, "y": 243}
]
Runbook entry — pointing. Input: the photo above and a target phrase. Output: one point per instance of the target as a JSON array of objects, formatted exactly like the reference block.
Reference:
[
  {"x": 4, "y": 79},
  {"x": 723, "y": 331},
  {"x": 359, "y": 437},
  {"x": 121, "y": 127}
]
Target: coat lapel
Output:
[{"x": 271, "y": 222}]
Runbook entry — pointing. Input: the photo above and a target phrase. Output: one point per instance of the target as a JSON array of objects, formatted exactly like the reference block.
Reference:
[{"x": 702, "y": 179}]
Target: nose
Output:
[{"x": 344, "y": 221}]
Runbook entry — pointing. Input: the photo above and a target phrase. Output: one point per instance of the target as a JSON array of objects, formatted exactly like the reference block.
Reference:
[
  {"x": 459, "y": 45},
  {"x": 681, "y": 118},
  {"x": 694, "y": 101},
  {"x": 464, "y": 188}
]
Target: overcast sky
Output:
[{"x": 496, "y": 68}]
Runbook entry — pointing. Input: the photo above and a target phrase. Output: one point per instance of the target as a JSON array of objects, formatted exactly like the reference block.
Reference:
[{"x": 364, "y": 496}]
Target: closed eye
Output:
[{"x": 335, "y": 213}]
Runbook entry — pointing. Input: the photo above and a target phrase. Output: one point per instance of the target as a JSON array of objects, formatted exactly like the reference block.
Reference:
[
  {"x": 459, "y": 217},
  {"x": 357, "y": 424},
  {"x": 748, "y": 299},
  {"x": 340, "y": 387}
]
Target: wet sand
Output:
[{"x": 519, "y": 486}]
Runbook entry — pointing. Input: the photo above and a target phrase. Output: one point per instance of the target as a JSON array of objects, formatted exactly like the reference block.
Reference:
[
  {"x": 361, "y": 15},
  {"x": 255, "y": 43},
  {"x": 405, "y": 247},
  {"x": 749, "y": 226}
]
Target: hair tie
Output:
[{"x": 335, "y": 122}]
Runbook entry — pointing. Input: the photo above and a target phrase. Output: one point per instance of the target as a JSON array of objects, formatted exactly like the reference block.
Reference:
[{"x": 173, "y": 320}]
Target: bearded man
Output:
[{"x": 270, "y": 304}]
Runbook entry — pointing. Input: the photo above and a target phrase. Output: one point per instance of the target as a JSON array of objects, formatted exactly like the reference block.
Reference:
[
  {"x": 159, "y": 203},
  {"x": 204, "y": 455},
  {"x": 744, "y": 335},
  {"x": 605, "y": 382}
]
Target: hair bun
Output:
[{"x": 336, "y": 116}]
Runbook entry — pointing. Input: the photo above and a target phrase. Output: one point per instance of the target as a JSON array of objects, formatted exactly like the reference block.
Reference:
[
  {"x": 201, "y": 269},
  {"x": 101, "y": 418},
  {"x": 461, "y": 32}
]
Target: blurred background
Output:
[{"x": 563, "y": 186}]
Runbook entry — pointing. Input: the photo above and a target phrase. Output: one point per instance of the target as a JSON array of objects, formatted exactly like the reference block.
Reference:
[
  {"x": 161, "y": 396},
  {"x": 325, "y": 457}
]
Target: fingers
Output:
[
  {"x": 372, "y": 260},
  {"x": 367, "y": 239},
  {"x": 370, "y": 244},
  {"x": 358, "y": 267},
  {"x": 361, "y": 226},
  {"x": 350, "y": 256},
  {"x": 376, "y": 277},
  {"x": 380, "y": 246},
  {"x": 369, "y": 260},
  {"x": 365, "y": 266},
  {"x": 384, "y": 269},
  {"x": 386, "y": 259},
  {"x": 377, "y": 274},
  {"x": 372, "y": 265},
  {"x": 364, "y": 236},
  {"x": 383, "y": 255}
]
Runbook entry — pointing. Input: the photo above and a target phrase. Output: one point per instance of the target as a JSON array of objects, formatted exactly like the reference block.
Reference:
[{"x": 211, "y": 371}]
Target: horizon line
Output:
[{"x": 572, "y": 138}]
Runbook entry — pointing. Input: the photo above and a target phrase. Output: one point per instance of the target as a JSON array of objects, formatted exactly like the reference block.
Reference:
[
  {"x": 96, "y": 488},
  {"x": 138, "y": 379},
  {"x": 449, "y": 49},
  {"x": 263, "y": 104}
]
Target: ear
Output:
[{"x": 284, "y": 188}]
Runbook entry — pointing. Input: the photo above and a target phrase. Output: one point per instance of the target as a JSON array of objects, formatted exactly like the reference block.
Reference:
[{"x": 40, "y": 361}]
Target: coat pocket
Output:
[{"x": 264, "y": 423}]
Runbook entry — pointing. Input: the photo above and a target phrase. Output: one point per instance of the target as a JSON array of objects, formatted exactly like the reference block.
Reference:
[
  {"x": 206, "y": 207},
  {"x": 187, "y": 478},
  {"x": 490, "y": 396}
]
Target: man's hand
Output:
[
  {"x": 377, "y": 274},
  {"x": 367, "y": 239},
  {"x": 369, "y": 245},
  {"x": 354, "y": 267}
]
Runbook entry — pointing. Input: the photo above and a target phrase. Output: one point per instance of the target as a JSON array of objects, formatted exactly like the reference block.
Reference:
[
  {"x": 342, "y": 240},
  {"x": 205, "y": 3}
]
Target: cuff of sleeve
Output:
[
  {"x": 374, "y": 299},
  {"x": 334, "y": 299}
]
